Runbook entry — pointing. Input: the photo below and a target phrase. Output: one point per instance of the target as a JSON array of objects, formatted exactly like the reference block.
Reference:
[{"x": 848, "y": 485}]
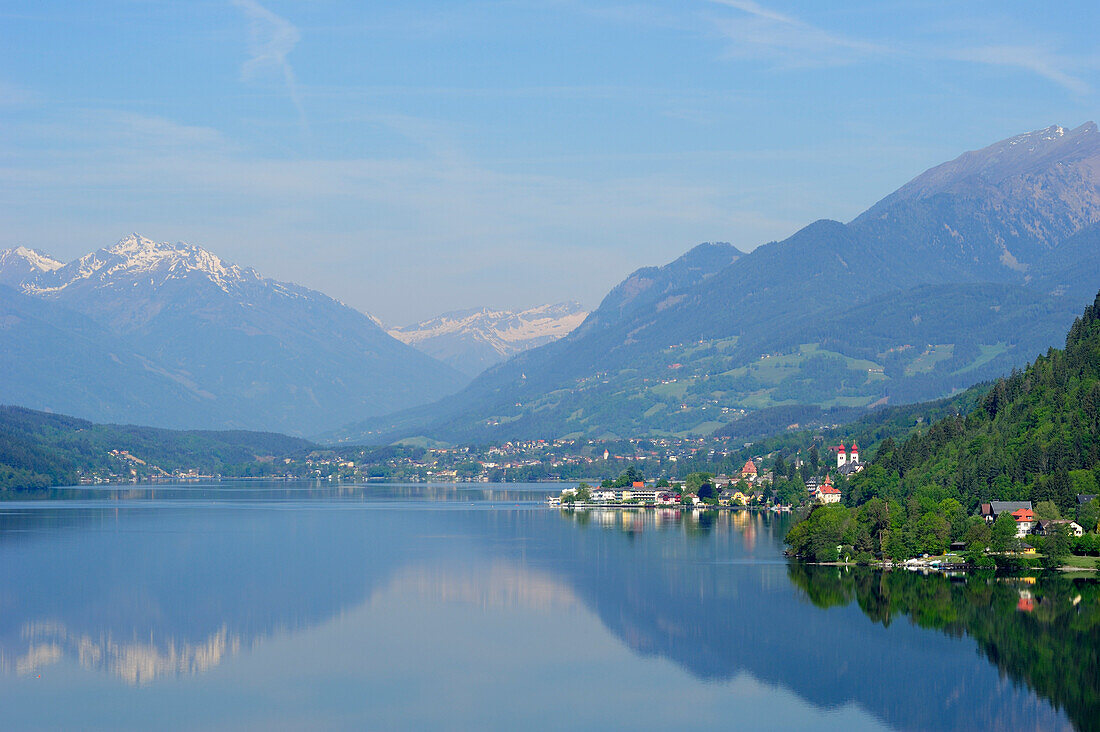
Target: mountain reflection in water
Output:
[{"x": 171, "y": 584}]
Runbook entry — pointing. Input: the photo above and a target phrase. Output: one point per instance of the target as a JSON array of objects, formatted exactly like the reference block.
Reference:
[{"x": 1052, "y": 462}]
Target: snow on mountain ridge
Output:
[
  {"x": 38, "y": 260},
  {"x": 471, "y": 340},
  {"x": 1013, "y": 200},
  {"x": 1018, "y": 156},
  {"x": 136, "y": 259},
  {"x": 136, "y": 254},
  {"x": 17, "y": 264},
  {"x": 175, "y": 336},
  {"x": 499, "y": 327}
]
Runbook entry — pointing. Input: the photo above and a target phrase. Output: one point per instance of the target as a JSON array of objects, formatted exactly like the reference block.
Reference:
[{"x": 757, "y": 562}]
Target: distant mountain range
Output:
[
  {"x": 473, "y": 340},
  {"x": 969, "y": 270},
  {"x": 170, "y": 335}
]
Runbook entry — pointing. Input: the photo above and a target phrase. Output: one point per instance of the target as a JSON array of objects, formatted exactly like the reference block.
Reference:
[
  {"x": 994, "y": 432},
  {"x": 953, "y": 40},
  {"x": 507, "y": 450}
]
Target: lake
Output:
[{"x": 314, "y": 606}]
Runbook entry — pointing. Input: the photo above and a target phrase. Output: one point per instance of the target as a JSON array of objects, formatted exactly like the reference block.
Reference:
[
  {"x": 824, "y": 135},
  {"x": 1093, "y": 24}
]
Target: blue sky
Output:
[{"x": 415, "y": 157}]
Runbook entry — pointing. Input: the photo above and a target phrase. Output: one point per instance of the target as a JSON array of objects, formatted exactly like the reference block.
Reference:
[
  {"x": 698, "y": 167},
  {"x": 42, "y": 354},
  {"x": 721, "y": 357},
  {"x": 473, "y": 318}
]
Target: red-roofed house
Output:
[
  {"x": 749, "y": 471},
  {"x": 827, "y": 493},
  {"x": 1025, "y": 521}
]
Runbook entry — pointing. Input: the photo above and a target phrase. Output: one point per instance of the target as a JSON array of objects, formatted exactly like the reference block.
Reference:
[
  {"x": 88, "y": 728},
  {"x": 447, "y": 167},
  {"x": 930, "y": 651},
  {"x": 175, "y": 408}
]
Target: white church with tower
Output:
[{"x": 847, "y": 459}]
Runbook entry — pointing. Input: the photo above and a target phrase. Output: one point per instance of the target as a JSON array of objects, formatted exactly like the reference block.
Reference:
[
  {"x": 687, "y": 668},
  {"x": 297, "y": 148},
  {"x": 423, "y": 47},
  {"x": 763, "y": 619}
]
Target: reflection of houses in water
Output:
[
  {"x": 749, "y": 526},
  {"x": 748, "y": 532},
  {"x": 604, "y": 517},
  {"x": 740, "y": 519},
  {"x": 664, "y": 517}
]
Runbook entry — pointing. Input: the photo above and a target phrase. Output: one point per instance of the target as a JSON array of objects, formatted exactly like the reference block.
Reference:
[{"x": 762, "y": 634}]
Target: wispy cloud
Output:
[
  {"x": 762, "y": 32},
  {"x": 757, "y": 10},
  {"x": 1037, "y": 60},
  {"x": 362, "y": 228},
  {"x": 271, "y": 38}
]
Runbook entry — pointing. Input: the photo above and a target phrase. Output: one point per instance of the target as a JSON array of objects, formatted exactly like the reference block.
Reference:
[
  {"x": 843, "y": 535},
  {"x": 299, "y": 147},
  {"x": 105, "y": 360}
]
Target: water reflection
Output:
[
  {"x": 1041, "y": 631},
  {"x": 499, "y": 585},
  {"x": 135, "y": 662},
  {"x": 179, "y": 582}
]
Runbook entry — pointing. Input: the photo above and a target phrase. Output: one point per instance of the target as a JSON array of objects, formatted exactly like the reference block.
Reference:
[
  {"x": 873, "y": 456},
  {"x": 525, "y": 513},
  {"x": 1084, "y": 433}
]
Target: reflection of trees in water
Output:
[
  {"x": 717, "y": 607},
  {"x": 1045, "y": 633}
]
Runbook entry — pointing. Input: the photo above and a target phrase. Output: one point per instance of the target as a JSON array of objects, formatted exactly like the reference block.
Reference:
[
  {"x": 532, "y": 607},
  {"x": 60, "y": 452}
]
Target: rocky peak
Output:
[
  {"x": 134, "y": 256},
  {"x": 20, "y": 263},
  {"x": 1038, "y": 152}
]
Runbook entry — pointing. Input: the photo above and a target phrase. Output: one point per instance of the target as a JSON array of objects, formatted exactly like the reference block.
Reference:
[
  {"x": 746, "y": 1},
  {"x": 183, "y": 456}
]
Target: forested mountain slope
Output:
[
  {"x": 38, "y": 450},
  {"x": 1035, "y": 435}
]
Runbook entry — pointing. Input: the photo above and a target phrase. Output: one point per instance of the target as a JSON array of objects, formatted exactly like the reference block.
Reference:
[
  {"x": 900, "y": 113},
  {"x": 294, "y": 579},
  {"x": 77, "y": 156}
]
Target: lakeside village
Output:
[
  {"x": 513, "y": 461},
  {"x": 695, "y": 471},
  {"x": 1003, "y": 534},
  {"x": 751, "y": 487}
]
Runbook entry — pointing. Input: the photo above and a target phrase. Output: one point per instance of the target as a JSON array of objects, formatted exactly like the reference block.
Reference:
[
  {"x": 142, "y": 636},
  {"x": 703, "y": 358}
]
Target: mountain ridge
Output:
[
  {"x": 702, "y": 359},
  {"x": 248, "y": 352},
  {"x": 474, "y": 339}
]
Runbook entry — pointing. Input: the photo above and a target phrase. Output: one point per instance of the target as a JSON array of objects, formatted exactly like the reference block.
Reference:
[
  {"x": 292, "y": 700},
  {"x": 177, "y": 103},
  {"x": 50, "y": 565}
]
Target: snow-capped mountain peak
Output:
[
  {"x": 17, "y": 264},
  {"x": 172, "y": 334},
  {"x": 36, "y": 259},
  {"x": 472, "y": 340},
  {"x": 1021, "y": 155},
  {"x": 133, "y": 256},
  {"x": 136, "y": 253}
]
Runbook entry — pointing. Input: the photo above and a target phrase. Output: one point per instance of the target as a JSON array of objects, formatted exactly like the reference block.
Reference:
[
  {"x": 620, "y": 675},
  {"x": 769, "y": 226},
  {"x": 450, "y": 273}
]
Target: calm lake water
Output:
[{"x": 282, "y": 606}]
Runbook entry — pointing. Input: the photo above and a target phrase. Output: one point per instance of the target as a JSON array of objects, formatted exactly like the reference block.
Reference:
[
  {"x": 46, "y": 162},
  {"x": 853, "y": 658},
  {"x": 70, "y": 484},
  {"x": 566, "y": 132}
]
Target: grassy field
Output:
[
  {"x": 675, "y": 390},
  {"x": 927, "y": 361},
  {"x": 1080, "y": 562},
  {"x": 985, "y": 355}
]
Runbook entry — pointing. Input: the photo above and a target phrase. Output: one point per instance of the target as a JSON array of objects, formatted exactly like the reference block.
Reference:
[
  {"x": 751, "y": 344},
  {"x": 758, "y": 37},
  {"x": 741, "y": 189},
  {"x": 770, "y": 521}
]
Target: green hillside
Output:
[
  {"x": 39, "y": 450},
  {"x": 776, "y": 431},
  {"x": 1033, "y": 436}
]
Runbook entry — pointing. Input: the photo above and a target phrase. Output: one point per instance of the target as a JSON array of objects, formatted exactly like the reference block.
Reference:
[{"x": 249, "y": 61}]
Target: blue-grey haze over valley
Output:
[{"x": 960, "y": 275}]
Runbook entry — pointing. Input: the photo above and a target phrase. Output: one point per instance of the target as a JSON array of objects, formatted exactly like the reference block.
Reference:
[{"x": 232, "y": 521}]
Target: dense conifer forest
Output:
[
  {"x": 38, "y": 450},
  {"x": 1033, "y": 436}
]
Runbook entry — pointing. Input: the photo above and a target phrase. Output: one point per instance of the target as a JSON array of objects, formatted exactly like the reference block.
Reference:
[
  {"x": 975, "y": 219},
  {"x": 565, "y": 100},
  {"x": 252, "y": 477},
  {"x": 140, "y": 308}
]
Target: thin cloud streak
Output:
[
  {"x": 796, "y": 42},
  {"x": 271, "y": 38},
  {"x": 1029, "y": 58},
  {"x": 755, "y": 9},
  {"x": 768, "y": 32},
  {"x": 406, "y": 219}
]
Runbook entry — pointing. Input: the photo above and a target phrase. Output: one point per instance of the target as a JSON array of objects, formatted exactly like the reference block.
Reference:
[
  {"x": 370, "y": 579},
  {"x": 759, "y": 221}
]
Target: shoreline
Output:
[
  {"x": 940, "y": 568},
  {"x": 675, "y": 506}
]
